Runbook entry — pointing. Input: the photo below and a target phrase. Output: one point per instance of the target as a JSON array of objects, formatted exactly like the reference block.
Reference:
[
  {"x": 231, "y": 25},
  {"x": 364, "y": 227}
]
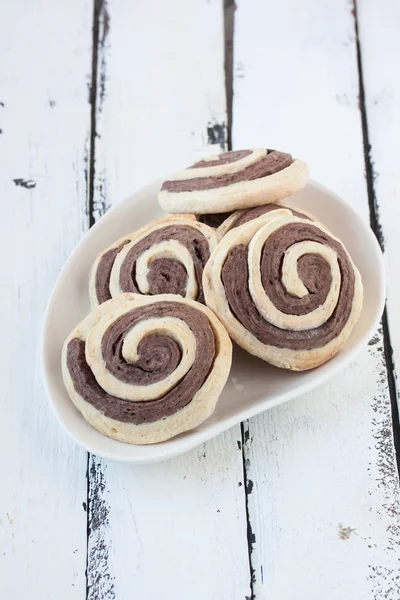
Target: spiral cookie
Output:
[
  {"x": 240, "y": 217},
  {"x": 232, "y": 180},
  {"x": 143, "y": 369},
  {"x": 285, "y": 289},
  {"x": 166, "y": 256}
]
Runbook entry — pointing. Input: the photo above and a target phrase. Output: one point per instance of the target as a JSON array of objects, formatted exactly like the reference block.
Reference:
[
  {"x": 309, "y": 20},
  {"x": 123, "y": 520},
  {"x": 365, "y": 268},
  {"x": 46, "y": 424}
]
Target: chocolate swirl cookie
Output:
[
  {"x": 285, "y": 288},
  {"x": 233, "y": 180},
  {"x": 143, "y": 369},
  {"x": 165, "y": 257},
  {"x": 240, "y": 217}
]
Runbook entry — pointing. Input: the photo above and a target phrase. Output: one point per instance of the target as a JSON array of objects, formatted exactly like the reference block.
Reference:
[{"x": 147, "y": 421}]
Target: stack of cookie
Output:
[{"x": 231, "y": 261}]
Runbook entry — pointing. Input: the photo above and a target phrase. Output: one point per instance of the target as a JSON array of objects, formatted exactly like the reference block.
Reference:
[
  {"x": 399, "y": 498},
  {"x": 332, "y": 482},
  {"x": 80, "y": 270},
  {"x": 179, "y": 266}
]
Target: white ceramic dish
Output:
[{"x": 253, "y": 385}]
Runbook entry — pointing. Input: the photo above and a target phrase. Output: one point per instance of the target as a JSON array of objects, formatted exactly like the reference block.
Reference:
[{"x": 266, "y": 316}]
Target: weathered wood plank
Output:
[
  {"x": 321, "y": 475},
  {"x": 161, "y": 104},
  {"x": 44, "y": 123},
  {"x": 177, "y": 529},
  {"x": 380, "y": 52}
]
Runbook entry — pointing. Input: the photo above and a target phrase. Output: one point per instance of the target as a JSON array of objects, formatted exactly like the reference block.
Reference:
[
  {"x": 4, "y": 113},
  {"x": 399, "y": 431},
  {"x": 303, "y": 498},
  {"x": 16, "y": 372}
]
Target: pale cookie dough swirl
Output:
[
  {"x": 233, "y": 180},
  {"x": 285, "y": 288},
  {"x": 143, "y": 369},
  {"x": 166, "y": 256}
]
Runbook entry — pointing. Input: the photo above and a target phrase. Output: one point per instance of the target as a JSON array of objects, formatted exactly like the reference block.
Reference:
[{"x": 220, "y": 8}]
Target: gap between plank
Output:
[
  {"x": 87, "y": 523},
  {"x": 250, "y": 534},
  {"x": 229, "y": 28},
  {"x": 97, "y": 8},
  {"x": 229, "y": 21},
  {"x": 376, "y": 227}
]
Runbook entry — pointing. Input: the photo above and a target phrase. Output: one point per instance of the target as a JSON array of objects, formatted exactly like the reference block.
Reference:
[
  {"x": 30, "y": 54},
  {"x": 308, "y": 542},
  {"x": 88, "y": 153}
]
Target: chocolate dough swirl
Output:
[
  {"x": 166, "y": 275},
  {"x": 271, "y": 163},
  {"x": 257, "y": 211},
  {"x": 159, "y": 356},
  {"x": 104, "y": 273},
  {"x": 215, "y": 220},
  {"x": 315, "y": 274},
  {"x": 224, "y": 158}
]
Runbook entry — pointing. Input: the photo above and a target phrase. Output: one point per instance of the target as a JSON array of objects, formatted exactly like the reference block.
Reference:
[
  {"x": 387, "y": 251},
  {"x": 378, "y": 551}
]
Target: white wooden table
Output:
[{"x": 299, "y": 503}]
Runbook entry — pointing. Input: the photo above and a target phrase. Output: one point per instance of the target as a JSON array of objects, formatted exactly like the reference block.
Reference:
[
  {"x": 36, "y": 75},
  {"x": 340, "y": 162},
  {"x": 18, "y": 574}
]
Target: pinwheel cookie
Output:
[
  {"x": 143, "y": 369},
  {"x": 166, "y": 256},
  {"x": 285, "y": 289},
  {"x": 233, "y": 180}
]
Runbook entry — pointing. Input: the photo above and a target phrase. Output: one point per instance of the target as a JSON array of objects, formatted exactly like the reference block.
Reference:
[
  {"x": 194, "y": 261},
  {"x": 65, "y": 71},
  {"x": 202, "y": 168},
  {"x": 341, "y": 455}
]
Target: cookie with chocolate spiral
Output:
[
  {"x": 233, "y": 180},
  {"x": 142, "y": 369},
  {"x": 285, "y": 288},
  {"x": 165, "y": 257}
]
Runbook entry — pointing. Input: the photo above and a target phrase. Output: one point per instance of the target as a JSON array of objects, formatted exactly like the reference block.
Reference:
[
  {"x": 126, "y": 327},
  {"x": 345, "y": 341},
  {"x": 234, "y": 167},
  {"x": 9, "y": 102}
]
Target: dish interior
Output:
[{"x": 253, "y": 385}]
